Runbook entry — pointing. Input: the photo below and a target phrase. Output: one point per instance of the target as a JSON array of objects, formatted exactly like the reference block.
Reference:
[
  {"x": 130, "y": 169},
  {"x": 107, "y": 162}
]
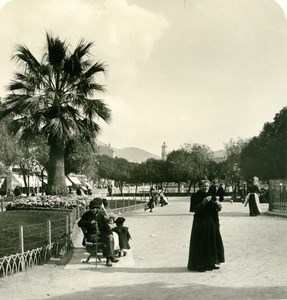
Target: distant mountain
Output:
[{"x": 134, "y": 154}]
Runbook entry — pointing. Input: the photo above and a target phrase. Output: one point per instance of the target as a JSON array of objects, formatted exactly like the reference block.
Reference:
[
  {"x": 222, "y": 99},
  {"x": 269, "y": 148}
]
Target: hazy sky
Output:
[{"x": 179, "y": 71}]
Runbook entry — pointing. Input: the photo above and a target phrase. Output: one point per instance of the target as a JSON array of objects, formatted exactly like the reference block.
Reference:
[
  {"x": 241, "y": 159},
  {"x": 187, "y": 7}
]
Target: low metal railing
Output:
[
  {"x": 23, "y": 260},
  {"x": 278, "y": 196},
  {"x": 19, "y": 262}
]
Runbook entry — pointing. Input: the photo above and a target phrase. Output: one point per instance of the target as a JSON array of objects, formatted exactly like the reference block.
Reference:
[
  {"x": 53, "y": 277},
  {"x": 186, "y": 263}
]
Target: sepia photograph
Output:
[{"x": 143, "y": 149}]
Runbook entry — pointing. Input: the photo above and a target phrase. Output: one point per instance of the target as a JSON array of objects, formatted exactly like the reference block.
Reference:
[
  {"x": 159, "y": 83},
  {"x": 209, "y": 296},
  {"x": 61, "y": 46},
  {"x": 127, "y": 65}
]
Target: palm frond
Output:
[
  {"x": 18, "y": 86},
  {"x": 97, "y": 108},
  {"x": 56, "y": 52},
  {"x": 94, "y": 87},
  {"x": 89, "y": 131},
  {"x": 28, "y": 135},
  {"x": 82, "y": 48},
  {"x": 73, "y": 67},
  {"x": 98, "y": 67},
  {"x": 16, "y": 125},
  {"x": 5, "y": 112},
  {"x": 26, "y": 58}
]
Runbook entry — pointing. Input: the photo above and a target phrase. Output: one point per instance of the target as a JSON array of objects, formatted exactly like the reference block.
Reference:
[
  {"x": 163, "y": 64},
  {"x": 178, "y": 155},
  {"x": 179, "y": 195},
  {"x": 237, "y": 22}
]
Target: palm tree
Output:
[{"x": 52, "y": 98}]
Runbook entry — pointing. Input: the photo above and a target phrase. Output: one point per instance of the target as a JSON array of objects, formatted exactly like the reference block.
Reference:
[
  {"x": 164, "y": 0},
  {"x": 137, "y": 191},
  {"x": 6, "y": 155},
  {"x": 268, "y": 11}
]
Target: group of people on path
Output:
[
  {"x": 98, "y": 225},
  {"x": 157, "y": 197},
  {"x": 206, "y": 250}
]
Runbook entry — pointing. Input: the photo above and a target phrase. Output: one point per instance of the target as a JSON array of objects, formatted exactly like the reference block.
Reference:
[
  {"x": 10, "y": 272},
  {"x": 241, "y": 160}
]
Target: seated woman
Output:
[{"x": 95, "y": 223}]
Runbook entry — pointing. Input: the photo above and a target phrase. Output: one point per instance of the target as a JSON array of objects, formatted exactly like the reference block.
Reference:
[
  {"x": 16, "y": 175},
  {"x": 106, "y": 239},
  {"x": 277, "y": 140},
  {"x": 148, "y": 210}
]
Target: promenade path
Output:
[{"x": 155, "y": 268}]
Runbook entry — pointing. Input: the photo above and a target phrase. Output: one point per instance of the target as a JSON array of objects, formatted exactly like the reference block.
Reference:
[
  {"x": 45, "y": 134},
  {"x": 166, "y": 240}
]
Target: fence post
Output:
[
  {"x": 2, "y": 204},
  {"x": 21, "y": 235},
  {"x": 49, "y": 233}
]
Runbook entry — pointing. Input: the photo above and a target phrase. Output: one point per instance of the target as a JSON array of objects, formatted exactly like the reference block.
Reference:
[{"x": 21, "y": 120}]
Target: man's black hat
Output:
[
  {"x": 96, "y": 203},
  {"x": 120, "y": 220}
]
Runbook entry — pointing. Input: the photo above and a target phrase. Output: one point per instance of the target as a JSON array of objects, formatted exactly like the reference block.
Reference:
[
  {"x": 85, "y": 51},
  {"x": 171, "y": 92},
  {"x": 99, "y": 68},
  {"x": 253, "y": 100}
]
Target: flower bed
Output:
[{"x": 49, "y": 202}]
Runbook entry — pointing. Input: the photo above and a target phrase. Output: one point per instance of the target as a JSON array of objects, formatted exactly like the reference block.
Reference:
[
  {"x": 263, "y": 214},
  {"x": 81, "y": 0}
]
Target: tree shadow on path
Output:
[{"x": 161, "y": 290}]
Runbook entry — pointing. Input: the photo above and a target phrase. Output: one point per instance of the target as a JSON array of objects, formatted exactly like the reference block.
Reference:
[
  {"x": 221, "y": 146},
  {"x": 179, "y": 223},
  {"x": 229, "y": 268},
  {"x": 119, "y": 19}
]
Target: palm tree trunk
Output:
[
  {"x": 23, "y": 171},
  {"x": 42, "y": 180},
  {"x": 56, "y": 173}
]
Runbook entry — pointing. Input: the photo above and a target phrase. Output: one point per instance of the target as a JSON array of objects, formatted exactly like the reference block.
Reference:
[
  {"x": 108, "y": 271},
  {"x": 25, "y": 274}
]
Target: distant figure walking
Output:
[
  {"x": 162, "y": 198},
  {"x": 221, "y": 193},
  {"x": 206, "y": 247},
  {"x": 213, "y": 189},
  {"x": 152, "y": 199},
  {"x": 252, "y": 198}
]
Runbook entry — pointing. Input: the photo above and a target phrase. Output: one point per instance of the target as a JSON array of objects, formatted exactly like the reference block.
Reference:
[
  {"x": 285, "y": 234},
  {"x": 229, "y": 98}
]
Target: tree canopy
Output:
[{"x": 265, "y": 156}]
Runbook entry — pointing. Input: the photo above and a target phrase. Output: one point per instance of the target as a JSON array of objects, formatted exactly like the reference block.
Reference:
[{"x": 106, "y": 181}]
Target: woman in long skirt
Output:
[
  {"x": 206, "y": 247},
  {"x": 252, "y": 199}
]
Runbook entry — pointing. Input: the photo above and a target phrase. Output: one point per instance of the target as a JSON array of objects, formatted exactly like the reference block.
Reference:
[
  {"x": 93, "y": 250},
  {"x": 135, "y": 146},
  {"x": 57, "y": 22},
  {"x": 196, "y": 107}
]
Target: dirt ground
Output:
[{"x": 155, "y": 267}]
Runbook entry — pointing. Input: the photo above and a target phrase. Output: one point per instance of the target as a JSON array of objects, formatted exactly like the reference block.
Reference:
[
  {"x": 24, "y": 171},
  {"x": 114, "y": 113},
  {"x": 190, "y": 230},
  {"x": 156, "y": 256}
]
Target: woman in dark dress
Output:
[
  {"x": 252, "y": 198},
  {"x": 206, "y": 246}
]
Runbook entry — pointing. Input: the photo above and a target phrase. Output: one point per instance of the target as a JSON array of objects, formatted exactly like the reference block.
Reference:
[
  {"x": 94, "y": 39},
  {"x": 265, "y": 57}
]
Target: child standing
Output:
[
  {"x": 124, "y": 235},
  {"x": 112, "y": 225}
]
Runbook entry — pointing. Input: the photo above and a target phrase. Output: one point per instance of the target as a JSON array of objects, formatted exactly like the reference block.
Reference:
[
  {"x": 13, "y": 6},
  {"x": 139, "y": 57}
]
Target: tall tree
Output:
[
  {"x": 179, "y": 168},
  {"x": 233, "y": 151},
  {"x": 105, "y": 166},
  {"x": 10, "y": 150},
  {"x": 122, "y": 172},
  {"x": 265, "y": 155},
  {"x": 156, "y": 171},
  {"x": 53, "y": 98},
  {"x": 199, "y": 157},
  {"x": 80, "y": 158}
]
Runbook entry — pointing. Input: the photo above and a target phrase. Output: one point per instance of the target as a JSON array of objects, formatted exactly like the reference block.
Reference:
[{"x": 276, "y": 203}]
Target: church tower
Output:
[{"x": 163, "y": 151}]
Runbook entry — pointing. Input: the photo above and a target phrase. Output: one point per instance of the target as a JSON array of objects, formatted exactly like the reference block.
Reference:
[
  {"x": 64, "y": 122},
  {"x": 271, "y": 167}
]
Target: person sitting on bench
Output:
[{"x": 94, "y": 222}]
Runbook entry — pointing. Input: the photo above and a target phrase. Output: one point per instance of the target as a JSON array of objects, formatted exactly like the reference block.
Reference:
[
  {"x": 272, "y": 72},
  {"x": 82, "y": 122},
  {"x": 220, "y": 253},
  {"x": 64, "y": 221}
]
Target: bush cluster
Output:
[{"x": 49, "y": 202}]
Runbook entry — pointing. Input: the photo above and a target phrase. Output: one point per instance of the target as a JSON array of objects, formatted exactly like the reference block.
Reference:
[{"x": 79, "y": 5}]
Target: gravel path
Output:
[{"x": 155, "y": 268}]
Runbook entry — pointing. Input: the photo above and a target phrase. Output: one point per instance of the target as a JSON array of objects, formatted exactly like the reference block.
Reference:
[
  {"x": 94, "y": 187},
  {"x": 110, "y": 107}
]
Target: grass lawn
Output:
[{"x": 35, "y": 229}]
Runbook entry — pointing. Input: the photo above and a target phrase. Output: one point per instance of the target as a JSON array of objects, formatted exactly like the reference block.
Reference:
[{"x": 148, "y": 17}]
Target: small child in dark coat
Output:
[{"x": 124, "y": 236}]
